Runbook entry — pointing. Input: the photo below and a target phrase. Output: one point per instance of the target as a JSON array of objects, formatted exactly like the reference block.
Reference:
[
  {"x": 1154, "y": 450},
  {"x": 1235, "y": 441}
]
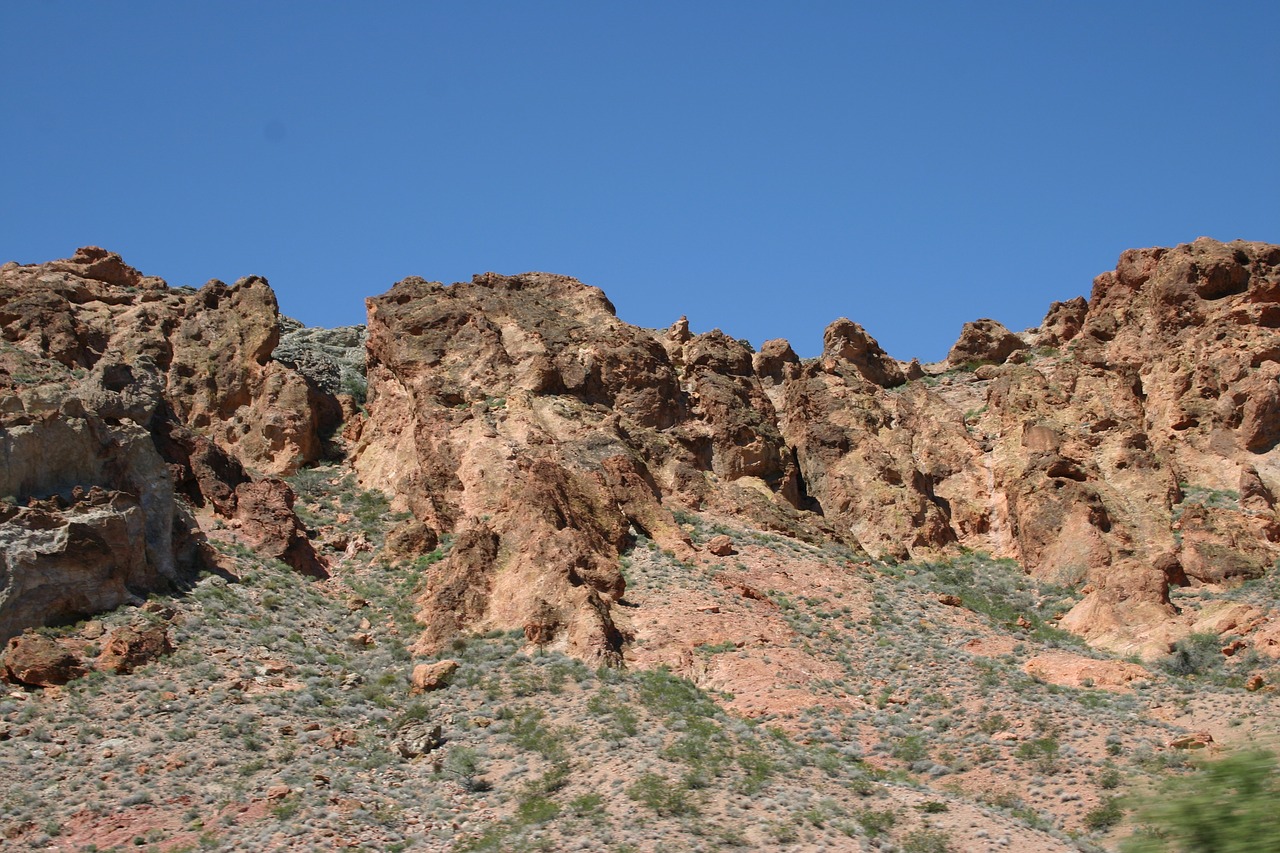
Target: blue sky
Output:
[{"x": 760, "y": 167}]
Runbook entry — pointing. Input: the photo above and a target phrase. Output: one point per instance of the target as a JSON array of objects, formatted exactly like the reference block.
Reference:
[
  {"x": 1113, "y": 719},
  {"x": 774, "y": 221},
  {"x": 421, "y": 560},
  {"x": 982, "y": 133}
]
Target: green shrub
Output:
[
  {"x": 1043, "y": 752},
  {"x": 877, "y": 822},
  {"x": 1107, "y": 814},
  {"x": 537, "y": 810},
  {"x": 661, "y": 795},
  {"x": 464, "y": 764},
  {"x": 927, "y": 841},
  {"x": 911, "y": 748},
  {"x": 1196, "y": 654},
  {"x": 1227, "y": 807}
]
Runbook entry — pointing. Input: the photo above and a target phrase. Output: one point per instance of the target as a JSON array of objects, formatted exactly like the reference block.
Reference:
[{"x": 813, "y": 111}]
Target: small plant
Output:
[
  {"x": 927, "y": 841},
  {"x": 663, "y": 796},
  {"x": 537, "y": 810},
  {"x": 877, "y": 822},
  {"x": 1042, "y": 752},
  {"x": 910, "y": 749},
  {"x": 1196, "y": 654},
  {"x": 464, "y": 763},
  {"x": 1105, "y": 815}
]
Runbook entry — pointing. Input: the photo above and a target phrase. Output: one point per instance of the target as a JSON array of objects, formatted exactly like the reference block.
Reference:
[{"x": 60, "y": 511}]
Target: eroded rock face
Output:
[
  {"x": 522, "y": 415},
  {"x": 269, "y": 526},
  {"x": 67, "y": 551},
  {"x": 131, "y": 346},
  {"x": 123, "y": 404},
  {"x": 1126, "y": 444}
]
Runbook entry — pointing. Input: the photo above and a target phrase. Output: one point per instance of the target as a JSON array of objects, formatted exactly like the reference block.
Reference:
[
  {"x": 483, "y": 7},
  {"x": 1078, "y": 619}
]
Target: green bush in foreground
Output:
[{"x": 1227, "y": 807}]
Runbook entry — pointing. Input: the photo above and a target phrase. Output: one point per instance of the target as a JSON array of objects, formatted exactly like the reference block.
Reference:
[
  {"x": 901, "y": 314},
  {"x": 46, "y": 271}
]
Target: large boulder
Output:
[
  {"x": 34, "y": 660},
  {"x": 984, "y": 341}
]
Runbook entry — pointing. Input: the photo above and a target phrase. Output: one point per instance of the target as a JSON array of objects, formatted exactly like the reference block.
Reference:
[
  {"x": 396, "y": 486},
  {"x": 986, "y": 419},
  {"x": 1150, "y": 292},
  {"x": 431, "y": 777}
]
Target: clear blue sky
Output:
[{"x": 761, "y": 167}]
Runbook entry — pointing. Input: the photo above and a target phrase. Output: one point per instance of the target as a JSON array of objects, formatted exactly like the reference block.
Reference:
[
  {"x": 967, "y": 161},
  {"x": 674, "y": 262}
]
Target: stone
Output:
[
  {"x": 721, "y": 546},
  {"x": 409, "y": 540},
  {"x": 427, "y": 677},
  {"x": 131, "y": 646},
  {"x": 269, "y": 525},
  {"x": 1197, "y": 740},
  {"x": 418, "y": 737},
  {"x": 984, "y": 341},
  {"x": 38, "y": 661}
]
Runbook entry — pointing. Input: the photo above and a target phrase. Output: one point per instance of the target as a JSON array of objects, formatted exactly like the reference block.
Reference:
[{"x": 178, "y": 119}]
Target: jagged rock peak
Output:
[
  {"x": 985, "y": 341},
  {"x": 845, "y": 341}
]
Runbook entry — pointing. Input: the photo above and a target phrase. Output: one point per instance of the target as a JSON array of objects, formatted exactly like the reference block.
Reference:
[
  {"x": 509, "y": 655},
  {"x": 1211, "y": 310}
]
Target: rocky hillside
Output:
[
  {"x": 1126, "y": 445},
  {"x": 895, "y": 565}
]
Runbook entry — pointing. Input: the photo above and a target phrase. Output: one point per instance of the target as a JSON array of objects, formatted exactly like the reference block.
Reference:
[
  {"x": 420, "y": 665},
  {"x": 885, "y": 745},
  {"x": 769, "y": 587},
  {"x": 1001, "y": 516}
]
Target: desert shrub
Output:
[
  {"x": 911, "y": 748},
  {"x": 876, "y": 822},
  {"x": 537, "y": 810},
  {"x": 1196, "y": 654},
  {"x": 1043, "y": 752},
  {"x": 465, "y": 765},
  {"x": 927, "y": 841},
  {"x": 1105, "y": 815},
  {"x": 1227, "y": 807},
  {"x": 661, "y": 795}
]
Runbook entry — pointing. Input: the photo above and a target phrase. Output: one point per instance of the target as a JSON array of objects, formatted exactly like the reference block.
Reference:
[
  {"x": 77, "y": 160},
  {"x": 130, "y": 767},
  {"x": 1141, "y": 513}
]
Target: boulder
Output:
[
  {"x": 269, "y": 525},
  {"x": 38, "y": 661},
  {"x": 130, "y": 646},
  {"x": 721, "y": 546},
  {"x": 984, "y": 341},
  {"x": 418, "y": 737},
  {"x": 427, "y": 677}
]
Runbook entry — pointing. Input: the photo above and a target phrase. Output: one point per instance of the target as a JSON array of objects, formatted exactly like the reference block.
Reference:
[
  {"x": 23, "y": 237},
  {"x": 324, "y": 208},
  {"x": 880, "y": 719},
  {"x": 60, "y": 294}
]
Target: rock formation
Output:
[
  {"x": 1125, "y": 445},
  {"x": 118, "y": 396},
  {"x": 523, "y": 415}
]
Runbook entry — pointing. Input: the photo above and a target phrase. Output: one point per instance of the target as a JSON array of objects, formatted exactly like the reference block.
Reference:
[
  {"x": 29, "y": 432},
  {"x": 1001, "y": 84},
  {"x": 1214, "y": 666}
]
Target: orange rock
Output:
[
  {"x": 721, "y": 546},
  {"x": 39, "y": 661},
  {"x": 432, "y": 676},
  {"x": 129, "y": 647},
  {"x": 1198, "y": 740}
]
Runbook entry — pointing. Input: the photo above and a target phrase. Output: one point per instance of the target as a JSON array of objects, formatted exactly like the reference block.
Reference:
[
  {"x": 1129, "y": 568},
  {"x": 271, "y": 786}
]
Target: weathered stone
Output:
[
  {"x": 721, "y": 546},
  {"x": 39, "y": 661},
  {"x": 984, "y": 341},
  {"x": 130, "y": 646},
  {"x": 418, "y": 737},
  {"x": 432, "y": 676}
]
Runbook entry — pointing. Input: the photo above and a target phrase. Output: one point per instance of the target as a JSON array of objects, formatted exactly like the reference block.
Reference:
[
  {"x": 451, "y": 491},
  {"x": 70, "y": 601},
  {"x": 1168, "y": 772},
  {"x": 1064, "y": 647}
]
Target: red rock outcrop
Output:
[
  {"x": 118, "y": 394},
  {"x": 269, "y": 526},
  {"x": 984, "y": 341},
  {"x": 522, "y": 415},
  {"x": 1127, "y": 444},
  {"x": 205, "y": 355},
  {"x": 39, "y": 661},
  {"x": 132, "y": 646}
]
